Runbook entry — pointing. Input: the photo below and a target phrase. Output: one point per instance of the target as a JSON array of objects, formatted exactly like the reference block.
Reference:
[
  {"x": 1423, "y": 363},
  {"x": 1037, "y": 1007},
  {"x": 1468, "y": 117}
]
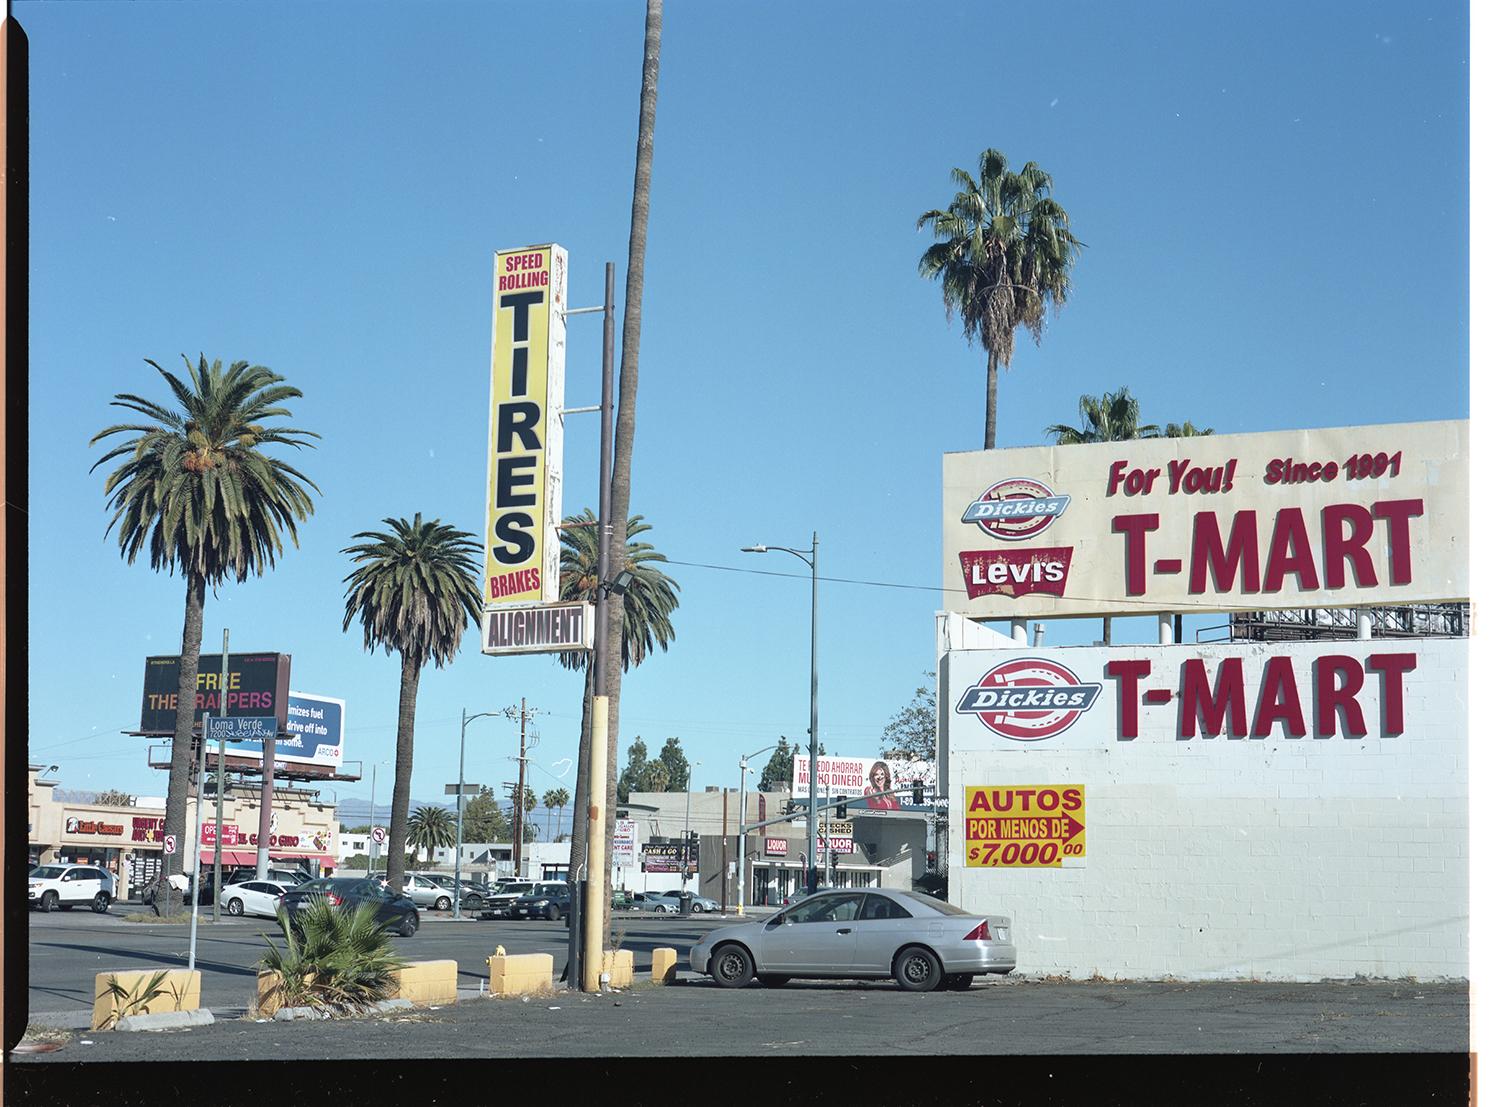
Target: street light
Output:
[
  {"x": 744, "y": 765},
  {"x": 810, "y": 558},
  {"x": 458, "y": 850}
]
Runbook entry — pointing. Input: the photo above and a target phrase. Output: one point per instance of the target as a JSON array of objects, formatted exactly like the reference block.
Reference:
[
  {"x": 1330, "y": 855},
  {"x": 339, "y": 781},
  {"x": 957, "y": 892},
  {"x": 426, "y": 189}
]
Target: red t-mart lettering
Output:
[
  {"x": 1237, "y": 561},
  {"x": 1208, "y": 707}
]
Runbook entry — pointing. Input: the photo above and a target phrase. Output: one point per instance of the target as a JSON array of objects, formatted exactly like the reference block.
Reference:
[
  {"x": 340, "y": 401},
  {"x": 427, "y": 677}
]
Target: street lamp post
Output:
[
  {"x": 687, "y": 824},
  {"x": 740, "y": 868},
  {"x": 810, "y": 558},
  {"x": 458, "y": 849}
]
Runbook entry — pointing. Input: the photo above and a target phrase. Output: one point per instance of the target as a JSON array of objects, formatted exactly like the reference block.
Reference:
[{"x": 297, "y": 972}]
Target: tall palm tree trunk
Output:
[
  {"x": 406, "y": 722},
  {"x": 175, "y": 823},
  {"x": 992, "y": 386},
  {"x": 578, "y": 844},
  {"x": 630, "y": 349}
]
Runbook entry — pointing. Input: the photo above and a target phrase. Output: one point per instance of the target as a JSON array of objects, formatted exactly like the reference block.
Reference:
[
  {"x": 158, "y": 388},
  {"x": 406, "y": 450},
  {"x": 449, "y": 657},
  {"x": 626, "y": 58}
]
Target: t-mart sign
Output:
[
  {"x": 1337, "y": 517},
  {"x": 550, "y": 628},
  {"x": 1083, "y": 698}
]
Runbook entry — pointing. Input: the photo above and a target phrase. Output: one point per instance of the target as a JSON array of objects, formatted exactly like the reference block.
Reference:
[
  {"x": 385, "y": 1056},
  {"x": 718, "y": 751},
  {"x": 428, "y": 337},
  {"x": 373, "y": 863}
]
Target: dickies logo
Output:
[
  {"x": 1016, "y": 509},
  {"x": 1029, "y": 699}
]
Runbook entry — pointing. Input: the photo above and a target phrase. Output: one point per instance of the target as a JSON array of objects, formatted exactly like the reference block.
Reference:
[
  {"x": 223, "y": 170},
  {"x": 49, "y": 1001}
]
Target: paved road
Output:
[{"x": 69, "y": 947}]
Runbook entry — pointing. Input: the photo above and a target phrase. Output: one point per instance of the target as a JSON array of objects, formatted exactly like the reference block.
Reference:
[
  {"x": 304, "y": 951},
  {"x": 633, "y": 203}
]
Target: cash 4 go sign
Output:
[{"x": 1023, "y": 826}]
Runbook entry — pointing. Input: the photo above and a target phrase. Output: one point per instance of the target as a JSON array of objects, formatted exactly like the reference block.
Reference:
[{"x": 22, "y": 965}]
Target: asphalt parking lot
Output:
[{"x": 1011, "y": 1015}]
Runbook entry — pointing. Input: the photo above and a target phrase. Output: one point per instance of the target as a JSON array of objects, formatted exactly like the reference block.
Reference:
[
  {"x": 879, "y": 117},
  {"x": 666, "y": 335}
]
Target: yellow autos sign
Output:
[{"x": 524, "y": 450}]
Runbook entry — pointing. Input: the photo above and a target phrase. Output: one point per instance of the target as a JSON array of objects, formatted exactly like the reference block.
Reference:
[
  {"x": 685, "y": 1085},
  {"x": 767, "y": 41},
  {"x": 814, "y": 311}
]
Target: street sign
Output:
[
  {"x": 549, "y": 628},
  {"x": 242, "y": 728},
  {"x": 377, "y": 835},
  {"x": 169, "y": 844},
  {"x": 469, "y": 789}
]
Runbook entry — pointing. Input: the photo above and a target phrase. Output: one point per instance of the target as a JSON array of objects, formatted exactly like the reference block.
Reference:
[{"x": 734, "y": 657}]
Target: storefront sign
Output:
[
  {"x": 548, "y": 629},
  {"x": 258, "y": 685},
  {"x": 624, "y": 845},
  {"x": 231, "y": 834},
  {"x": 775, "y": 847},
  {"x": 855, "y": 776},
  {"x": 1023, "y": 826},
  {"x": 145, "y": 828},
  {"x": 1224, "y": 695},
  {"x": 659, "y": 857},
  {"x": 75, "y": 825},
  {"x": 1337, "y": 517},
  {"x": 524, "y": 445}
]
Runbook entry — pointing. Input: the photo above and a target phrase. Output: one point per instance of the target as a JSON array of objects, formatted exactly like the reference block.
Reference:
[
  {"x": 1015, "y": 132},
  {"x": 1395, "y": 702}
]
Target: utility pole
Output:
[
  {"x": 518, "y": 813},
  {"x": 219, "y": 778}
]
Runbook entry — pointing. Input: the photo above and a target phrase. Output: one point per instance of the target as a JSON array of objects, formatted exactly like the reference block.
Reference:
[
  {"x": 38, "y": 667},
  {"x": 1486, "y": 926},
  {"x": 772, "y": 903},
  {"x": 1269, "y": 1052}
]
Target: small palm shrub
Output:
[{"x": 336, "y": 959}]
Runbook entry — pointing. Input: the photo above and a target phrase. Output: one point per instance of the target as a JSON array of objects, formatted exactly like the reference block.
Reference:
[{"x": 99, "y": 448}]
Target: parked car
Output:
[
  {"x": 922, "y": 942},
  {"x": 238, "y": 874},
  {"x": 471, "y": 898},
  {"x": 500, "y": 902},
  {"x": 395, "y": 912},
  {"x": 426, "y": 890},
  {"x": 660, "y": 902},
  {"x": 555, "y": 903},
  {"x": 253, "y": 897},
  {"x": 184, "y": 884},
  {"x": 49, "y": 887},
  {"x": 701, "y": 903}
]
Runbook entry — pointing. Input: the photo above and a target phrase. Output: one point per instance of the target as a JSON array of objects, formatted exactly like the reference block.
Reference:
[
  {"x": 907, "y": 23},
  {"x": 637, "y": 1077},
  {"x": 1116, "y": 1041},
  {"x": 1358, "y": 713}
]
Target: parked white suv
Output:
[{"x": 49, "y": 887}]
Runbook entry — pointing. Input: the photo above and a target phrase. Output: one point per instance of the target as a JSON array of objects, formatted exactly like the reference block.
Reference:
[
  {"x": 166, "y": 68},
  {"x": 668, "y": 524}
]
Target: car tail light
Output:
[
  {"x": 980, "y": 933},
  {"x": 332, "y": 899}
]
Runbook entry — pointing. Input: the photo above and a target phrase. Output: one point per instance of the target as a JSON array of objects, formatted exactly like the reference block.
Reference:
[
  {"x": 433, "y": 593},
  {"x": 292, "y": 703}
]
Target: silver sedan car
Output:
[{"x": 922, "y": 942}]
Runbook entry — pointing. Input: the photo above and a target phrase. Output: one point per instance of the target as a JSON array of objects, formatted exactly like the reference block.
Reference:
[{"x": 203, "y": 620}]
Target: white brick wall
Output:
[{"x": 1225, "y": 858}]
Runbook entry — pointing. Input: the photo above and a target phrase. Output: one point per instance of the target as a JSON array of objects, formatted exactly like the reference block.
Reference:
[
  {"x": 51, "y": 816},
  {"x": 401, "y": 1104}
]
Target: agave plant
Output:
[{"x": 337, "y": 959}]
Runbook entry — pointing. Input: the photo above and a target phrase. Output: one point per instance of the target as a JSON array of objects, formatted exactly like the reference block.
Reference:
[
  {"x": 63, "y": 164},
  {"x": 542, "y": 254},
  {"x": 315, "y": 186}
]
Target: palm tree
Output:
[
  {"x": 199, "y": 491},
  {"x": 645, "y": 623},
  {"x": 555, "y": 800},
  {"x": 1183, "y": 430},
  {"x": 415, "y": 591},
  {"x": 1003, "y": 254},
  {"x": 431, "y": 827},
  {"x": 630, "y": 349},
  {"x": 1112, "y": 417}
]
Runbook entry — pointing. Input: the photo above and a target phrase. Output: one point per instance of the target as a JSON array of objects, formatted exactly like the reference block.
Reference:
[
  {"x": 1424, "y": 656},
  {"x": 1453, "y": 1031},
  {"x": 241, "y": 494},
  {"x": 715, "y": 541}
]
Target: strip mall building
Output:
[{"x": 1281, "y": 810}]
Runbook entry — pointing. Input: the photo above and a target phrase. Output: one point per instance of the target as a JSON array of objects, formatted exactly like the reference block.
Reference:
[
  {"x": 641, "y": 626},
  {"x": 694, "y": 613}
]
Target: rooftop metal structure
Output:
[{"x": 1433, "y": 620}]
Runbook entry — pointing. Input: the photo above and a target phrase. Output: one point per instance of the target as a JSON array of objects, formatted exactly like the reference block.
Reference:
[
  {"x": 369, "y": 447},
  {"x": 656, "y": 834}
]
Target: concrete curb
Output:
[
  {"x": 166, "y": 1020},
  {"x": 287, "y": 1014}
]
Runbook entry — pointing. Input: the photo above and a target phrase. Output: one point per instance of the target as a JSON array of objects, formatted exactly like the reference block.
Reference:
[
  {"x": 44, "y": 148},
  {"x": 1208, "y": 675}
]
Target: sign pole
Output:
[
  {"x": 374, "y": 845},
  {"x": 197, "y": 848},
  {"x": 219, "y": 779}
]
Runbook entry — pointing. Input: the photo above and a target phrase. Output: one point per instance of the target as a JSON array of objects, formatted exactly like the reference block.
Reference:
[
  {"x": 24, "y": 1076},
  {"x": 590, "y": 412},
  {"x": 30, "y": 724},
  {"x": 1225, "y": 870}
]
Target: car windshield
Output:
[
  {"x": 522, "y": 888},
  {"x": 938, "y": 905},
  {"x": 48, "y": 872}
]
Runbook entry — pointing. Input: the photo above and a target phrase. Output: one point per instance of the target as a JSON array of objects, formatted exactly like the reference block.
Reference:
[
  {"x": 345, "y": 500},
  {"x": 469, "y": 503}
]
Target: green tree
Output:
[
  {"x": 647, "y": 617},
  {"x": 676, "y": 764},
  {"x": 779, "y": 767},
  {"x": 630, "y": 776},
  {"x": 198, "y": 490},
  {"x": 912, "y": 731},
  {"x": 655, "y": 776},
  {"x": 1111, "y": 417},
  {"x": 415, "y": 591},
  {"x": 1004, "y": 254},
  {"x": 430, "y": 827},
  {"x": 483, "y": 819}
]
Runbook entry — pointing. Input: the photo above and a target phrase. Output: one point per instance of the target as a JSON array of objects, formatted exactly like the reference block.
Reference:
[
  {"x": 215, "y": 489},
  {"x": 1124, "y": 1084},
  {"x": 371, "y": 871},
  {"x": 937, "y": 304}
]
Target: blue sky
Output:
[{"x": 1274, "y": 198}]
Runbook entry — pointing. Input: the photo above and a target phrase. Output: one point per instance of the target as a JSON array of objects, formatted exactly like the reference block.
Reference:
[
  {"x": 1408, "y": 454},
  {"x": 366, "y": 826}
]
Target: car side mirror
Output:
[{"x": 774, "y": 922}]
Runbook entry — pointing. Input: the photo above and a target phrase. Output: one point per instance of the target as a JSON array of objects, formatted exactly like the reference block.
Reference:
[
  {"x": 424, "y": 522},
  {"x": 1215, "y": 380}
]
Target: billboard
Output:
[
  {"x": 313, "y": 735},
  {"x": 855, "y": 776},
  {"x": 258, "y": 685},
  {"x": 1024, "y": 826},
  {"x": 1217, "y": 695},
  {"x": 624, "y": 845},
  {"x": 524, "y": 448},
  {"x": 1337, "y": 517},
  {"x": 666, "y": 857}
]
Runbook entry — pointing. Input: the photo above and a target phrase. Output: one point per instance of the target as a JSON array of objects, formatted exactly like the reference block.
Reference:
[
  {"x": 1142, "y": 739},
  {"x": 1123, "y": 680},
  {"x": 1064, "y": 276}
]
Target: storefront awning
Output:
[{"x": 230, "y": 857}]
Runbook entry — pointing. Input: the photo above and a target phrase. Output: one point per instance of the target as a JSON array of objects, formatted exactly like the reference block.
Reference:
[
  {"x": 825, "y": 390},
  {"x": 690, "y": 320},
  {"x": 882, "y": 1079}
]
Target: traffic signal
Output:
[
  {"x": 916, "y": 793},
  {"x": 843, "y": 807}
]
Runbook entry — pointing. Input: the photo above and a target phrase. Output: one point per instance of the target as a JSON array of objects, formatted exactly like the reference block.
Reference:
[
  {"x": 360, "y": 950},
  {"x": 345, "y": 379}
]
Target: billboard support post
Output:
[
  {"x": 267, "y": 789},
  {"x": 196, "y": 847},
  {"x": 219, "y": 779}
]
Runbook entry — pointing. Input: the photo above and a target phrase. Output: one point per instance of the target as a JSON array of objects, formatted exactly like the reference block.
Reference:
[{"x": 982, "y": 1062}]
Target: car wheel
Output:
[
  {"x": 731, "y": 966},
  {"x": 473, "y": 903},
  {"x": 772, "y": 979},
  {"x": 918, "y": 970},
  {"x": 697, "y": 908},
  {"x": 101, "y": 903},
  {"x": 443, "y": 904},
  {"x": 236, "y": 906},
  {"x": 408, "y": 925},
  {"x": 49, "y": 901},
  {"x": 956, "y": 982},
  {"x": 553, "y": 913},
  {"x": 661, "y": 911}
]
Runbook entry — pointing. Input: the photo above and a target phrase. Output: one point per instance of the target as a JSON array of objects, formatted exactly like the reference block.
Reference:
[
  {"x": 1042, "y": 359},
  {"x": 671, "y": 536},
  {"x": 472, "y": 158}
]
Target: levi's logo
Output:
[{"x": 1016, "y": 572}]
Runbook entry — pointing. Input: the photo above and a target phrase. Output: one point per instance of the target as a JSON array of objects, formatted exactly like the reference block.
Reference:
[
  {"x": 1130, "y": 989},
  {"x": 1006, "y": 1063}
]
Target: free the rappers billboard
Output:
[
  {"x": 1338, "y": 517},
  {"x": 524, "y": 447}
]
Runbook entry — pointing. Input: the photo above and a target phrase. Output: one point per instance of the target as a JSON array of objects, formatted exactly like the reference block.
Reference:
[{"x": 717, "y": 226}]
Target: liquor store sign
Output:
[{"x": 1337, "y": 517}]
